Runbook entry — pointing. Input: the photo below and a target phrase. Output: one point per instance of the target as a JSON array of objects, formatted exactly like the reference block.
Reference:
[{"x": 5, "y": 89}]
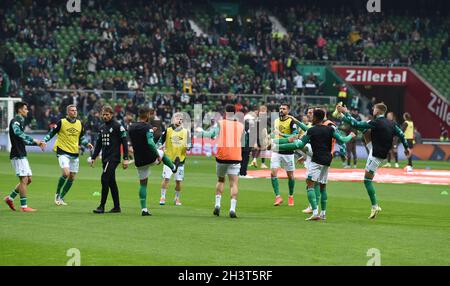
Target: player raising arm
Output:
[
  {"x": 382, "y": 134},
  {"x": 70, "y": 133},
  {"x": 320, "y": 136}
]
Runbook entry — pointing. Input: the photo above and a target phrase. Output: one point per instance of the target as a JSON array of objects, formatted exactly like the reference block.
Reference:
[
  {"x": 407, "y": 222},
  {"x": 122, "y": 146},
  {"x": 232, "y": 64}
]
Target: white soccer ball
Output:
[{"x": 89, "y": 160}]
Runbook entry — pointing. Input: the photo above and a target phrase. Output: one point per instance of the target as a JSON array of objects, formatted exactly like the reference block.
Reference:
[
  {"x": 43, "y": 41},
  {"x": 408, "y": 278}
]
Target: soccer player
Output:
[
  {"x": 70, "y": 136},
  {"x": 146, "y": 154},
  {"x": 176, "y": 140},
  {"x": 393, "y": 153},
  {"x": 320, "y": 136},
  {"x": 382, "y": 134},
  {"x": 284, "y": 127},
  {"x": 228, "y": 159},
  {"x": 18, "y": 157},
  {"x": 112, "y": 136},
  {"x": 408, "y": 129},
  {"x": 307, "y": 150}
]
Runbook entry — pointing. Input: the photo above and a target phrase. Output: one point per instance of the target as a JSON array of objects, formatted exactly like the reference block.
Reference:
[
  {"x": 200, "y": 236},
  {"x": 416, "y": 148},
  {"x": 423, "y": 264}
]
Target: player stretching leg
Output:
[
  {"x": 146, "y": 154},
  {"x": 382, "y": 134}
]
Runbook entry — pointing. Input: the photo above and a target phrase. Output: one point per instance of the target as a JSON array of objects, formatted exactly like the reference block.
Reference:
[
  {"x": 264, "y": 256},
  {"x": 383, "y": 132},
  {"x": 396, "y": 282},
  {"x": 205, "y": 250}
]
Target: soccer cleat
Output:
[
  {"x": 177, "y": 202},
  {"x": 374, "y": 212},
  {"x": 313, "y": 217},
  {"x": 264, "y": 166},
  {"x": 308, "y": 210},
  {"x": 216, "y": 211},
  {"x": 396, "y": 165},
  {"x": 99, "y": 210},
  {"x": 233, "y": 214},
  {"x": 146, "y": 213},
  {"x": 387, "y": 165},
  {"x": 323, "y": 217},
  {"x": 27, "y": 209},
  {"x": 291, "y": 201},
  {"x": 254, "y": 164},
  {"x": 278, "y": 201},
  {"x": 9, "y": 202},
  {"x": 62, "y": 202},
  {"x": 354, "y": 167},
  {"x": 115, "y": 210},
  {"x": 57, "y": 200},
  {"x": 347, "y": 167},
  {"x": 177, "y": 164},
  {"x": 162, "y": 201},
  {"x": 409, "y": 168}
]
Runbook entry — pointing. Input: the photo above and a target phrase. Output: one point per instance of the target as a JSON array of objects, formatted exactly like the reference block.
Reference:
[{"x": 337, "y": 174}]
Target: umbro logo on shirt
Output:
[{"x": 72, "y": 130}]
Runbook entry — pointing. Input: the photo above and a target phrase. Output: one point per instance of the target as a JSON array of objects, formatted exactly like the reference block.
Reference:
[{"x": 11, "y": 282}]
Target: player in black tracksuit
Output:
[
  {"x": 146, "y": 154},
  {"x": 382, "y": 133},
  {"x": 112, "y": 136}
]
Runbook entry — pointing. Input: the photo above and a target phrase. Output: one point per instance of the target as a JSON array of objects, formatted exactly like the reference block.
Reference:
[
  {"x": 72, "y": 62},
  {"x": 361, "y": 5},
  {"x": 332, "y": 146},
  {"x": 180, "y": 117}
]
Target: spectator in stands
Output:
[
  {"x": 92, "y": 65},
  {"x": 426, "y": 55},
  {"x": 415, "y": 36},
  {"x": 273, "y": 65},
  {"x": 298, "y": 79}
]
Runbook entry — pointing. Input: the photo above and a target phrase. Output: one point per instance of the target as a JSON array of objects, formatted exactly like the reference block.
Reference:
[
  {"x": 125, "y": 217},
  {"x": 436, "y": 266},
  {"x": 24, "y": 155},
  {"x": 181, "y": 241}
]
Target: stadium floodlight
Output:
[{"x": 229, "y": 19}]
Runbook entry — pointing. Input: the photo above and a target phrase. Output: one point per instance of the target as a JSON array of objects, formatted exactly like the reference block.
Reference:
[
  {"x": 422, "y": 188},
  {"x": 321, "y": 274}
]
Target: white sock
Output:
[
  {"x": 218, "y": 199},
  {"x": 163, "y": 193},
  {"x": 233, "y": 205},
  {"x": 24, "y": 207},
  {"x": 316, "y": 212},
  {"x": 322, "y": 213},
  {"x": 177, "y": 194},
  {"x": 145, "y": 210}
]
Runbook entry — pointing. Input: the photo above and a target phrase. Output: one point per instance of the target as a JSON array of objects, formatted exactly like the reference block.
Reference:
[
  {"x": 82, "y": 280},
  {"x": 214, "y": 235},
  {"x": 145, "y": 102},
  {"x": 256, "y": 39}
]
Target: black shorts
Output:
[{"x": 410, "y": 143}]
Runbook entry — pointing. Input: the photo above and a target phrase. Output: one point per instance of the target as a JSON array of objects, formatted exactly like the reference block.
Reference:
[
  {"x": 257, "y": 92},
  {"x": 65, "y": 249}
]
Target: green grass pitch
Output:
[{"x": 412, "y": 229}]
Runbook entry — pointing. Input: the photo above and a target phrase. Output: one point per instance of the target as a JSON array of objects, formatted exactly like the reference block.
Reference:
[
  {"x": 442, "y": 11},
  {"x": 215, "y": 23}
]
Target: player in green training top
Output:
[
  {"x": 382, "y": 134},
  {"x": 18, "y": 156}
]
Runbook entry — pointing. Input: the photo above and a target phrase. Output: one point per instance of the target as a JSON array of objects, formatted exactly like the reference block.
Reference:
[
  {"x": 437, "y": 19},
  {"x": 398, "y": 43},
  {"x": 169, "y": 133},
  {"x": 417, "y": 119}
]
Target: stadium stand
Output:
[{"x": 150, "y": 48}]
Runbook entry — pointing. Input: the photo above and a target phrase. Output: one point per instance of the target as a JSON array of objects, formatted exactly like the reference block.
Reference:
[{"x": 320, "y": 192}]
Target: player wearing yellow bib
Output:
[
  {"x": 283, "y": 127},
  {"x": 408, "y": 130},
  {"x": 177, "y": 143},
  {"x": 70, "y": 136}
]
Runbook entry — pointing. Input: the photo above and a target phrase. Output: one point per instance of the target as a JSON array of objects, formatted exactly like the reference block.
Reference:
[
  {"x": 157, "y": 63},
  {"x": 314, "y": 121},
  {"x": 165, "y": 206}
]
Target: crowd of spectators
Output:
[{"x": 244, "y": 57}]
